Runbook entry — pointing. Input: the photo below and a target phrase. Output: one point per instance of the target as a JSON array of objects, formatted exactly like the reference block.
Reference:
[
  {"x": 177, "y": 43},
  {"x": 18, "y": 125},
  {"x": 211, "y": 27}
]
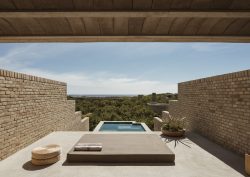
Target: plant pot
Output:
[
  {"x": 247, "y": 163},
  {"x": 179, "y": 133}
]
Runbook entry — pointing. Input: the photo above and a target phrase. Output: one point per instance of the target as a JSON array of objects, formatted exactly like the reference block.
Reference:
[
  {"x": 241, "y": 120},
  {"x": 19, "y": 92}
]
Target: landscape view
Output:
[
  {"x": 124, "y": 88},
  {"x": 101, "y": 109},
  {"x": 119, "y": 108}
]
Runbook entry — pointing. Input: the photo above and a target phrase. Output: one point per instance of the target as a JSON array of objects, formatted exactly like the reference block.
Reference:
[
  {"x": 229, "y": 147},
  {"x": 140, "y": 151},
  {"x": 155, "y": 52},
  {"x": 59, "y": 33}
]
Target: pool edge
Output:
[{"x": 98, "y": 127}]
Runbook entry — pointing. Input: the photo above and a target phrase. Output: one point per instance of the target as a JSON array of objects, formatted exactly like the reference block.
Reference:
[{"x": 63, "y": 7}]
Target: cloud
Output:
[
  {"x": 86, "y": 83},
  {"x": 18, "y": 57},
  {"x": 22, "y": 55},
  {"x": 25, "y": 58},
  {"x": 25, "y": 55}
]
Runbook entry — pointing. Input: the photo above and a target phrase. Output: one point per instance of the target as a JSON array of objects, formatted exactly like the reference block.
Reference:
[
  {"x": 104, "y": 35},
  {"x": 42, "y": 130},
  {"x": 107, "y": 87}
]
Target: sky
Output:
[{"x": 124, "y": 68}]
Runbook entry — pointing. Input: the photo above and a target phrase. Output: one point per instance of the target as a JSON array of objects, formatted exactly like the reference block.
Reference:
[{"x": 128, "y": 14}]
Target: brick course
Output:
[
  {"x": 218, "y": 107},
  {"x": 32, "y": 107}
]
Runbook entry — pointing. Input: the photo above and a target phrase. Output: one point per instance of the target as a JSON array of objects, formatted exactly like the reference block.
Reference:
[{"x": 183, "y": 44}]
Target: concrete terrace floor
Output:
[{"x": 195, "y": 157}]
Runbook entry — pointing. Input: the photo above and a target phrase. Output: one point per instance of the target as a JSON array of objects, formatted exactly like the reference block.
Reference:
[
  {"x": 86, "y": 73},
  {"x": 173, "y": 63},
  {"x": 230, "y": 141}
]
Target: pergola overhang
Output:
[{"x": 124, "y": 20}]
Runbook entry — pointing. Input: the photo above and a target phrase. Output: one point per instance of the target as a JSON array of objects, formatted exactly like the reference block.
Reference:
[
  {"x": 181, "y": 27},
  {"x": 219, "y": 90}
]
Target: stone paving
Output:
[{"x": 195, "y": 157}]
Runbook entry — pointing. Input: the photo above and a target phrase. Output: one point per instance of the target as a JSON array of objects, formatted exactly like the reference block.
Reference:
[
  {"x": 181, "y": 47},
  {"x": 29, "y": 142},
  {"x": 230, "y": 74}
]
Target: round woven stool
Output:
[
  {"x": 45, "y": 161},
  {"x": 46, "y": 155}
]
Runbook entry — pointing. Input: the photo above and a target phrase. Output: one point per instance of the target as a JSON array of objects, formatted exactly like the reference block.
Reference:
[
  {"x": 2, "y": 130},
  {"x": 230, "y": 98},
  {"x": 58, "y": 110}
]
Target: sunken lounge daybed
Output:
[{"x": 123, "y": 148}]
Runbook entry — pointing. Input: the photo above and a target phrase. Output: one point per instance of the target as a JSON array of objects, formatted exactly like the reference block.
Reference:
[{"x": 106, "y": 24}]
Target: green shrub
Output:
[
  {"x": 119, "y": 109},
  {"x": 174, "y": 124}
]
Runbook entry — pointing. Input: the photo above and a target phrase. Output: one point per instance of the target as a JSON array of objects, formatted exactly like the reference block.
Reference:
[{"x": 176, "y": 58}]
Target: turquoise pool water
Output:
[{"x": 122, "y": 127}]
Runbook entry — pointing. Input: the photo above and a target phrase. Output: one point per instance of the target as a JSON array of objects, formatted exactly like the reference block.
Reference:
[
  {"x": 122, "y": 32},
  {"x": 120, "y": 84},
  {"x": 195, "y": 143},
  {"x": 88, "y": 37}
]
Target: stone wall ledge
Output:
[
  {"x": 78, "y": 112},
  {"x": 85, "y": 123},
  {"x": 173, "y": 101},
  {"x": 240, "y": 74},
  {"x": 16, "y": 75},
  {"x": 157, "y": 123}
]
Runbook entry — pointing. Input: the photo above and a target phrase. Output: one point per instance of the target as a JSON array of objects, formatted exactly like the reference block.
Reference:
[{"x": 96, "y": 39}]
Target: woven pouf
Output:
[
  {"x": 46, "y": 155},
  {"x": 45, "y": 161}
]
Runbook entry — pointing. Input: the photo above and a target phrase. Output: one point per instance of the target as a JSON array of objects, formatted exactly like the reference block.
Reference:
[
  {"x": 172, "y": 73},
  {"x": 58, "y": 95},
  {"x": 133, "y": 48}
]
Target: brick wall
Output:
[
  {"x": 32, "y": 107},
  {"x": 219, "y": 108},
  {"x": 173, "y": 108}
]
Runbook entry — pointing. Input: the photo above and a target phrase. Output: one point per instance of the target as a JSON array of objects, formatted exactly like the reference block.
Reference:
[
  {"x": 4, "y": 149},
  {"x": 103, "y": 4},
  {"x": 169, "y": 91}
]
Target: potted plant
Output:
[
  {"x": 173, "y": 127},
  {"x": 247, "y": 163}
]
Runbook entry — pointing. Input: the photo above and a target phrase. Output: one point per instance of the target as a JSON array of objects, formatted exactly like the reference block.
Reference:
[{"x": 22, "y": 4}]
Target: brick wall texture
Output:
[
  {"x": 219, "y": 108},
  {"x": 174, "y": 108},
  {"x": 32, "y": 107}
]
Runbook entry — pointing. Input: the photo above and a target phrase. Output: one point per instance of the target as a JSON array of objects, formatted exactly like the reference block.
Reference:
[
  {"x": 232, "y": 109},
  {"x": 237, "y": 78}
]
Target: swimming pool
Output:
[{"x": 121, "y": 126}]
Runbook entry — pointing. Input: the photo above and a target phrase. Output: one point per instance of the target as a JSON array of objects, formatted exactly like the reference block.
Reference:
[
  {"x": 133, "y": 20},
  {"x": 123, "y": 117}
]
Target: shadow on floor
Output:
[
  {"x": 230, "y": 158},
  {"x": 65, "y": 163},
  {"x": 30, "y": 167},
  {"x": 177, "y": 140}
]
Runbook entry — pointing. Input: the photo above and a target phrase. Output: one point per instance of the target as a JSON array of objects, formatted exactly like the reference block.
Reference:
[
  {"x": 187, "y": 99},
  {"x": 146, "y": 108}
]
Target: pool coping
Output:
[{"x": 98, "y": 127}]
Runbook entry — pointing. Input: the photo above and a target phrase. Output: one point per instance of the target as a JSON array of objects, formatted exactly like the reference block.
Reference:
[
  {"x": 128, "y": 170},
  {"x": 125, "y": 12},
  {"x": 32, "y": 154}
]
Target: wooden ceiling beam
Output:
[
  {"x": 239, "y": 39},
  {"x": 128, "y": 14}
]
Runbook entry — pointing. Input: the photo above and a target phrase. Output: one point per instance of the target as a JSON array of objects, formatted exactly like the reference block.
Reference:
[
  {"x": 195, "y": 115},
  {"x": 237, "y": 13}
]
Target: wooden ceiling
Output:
[{"x": 124, "y": 20}]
